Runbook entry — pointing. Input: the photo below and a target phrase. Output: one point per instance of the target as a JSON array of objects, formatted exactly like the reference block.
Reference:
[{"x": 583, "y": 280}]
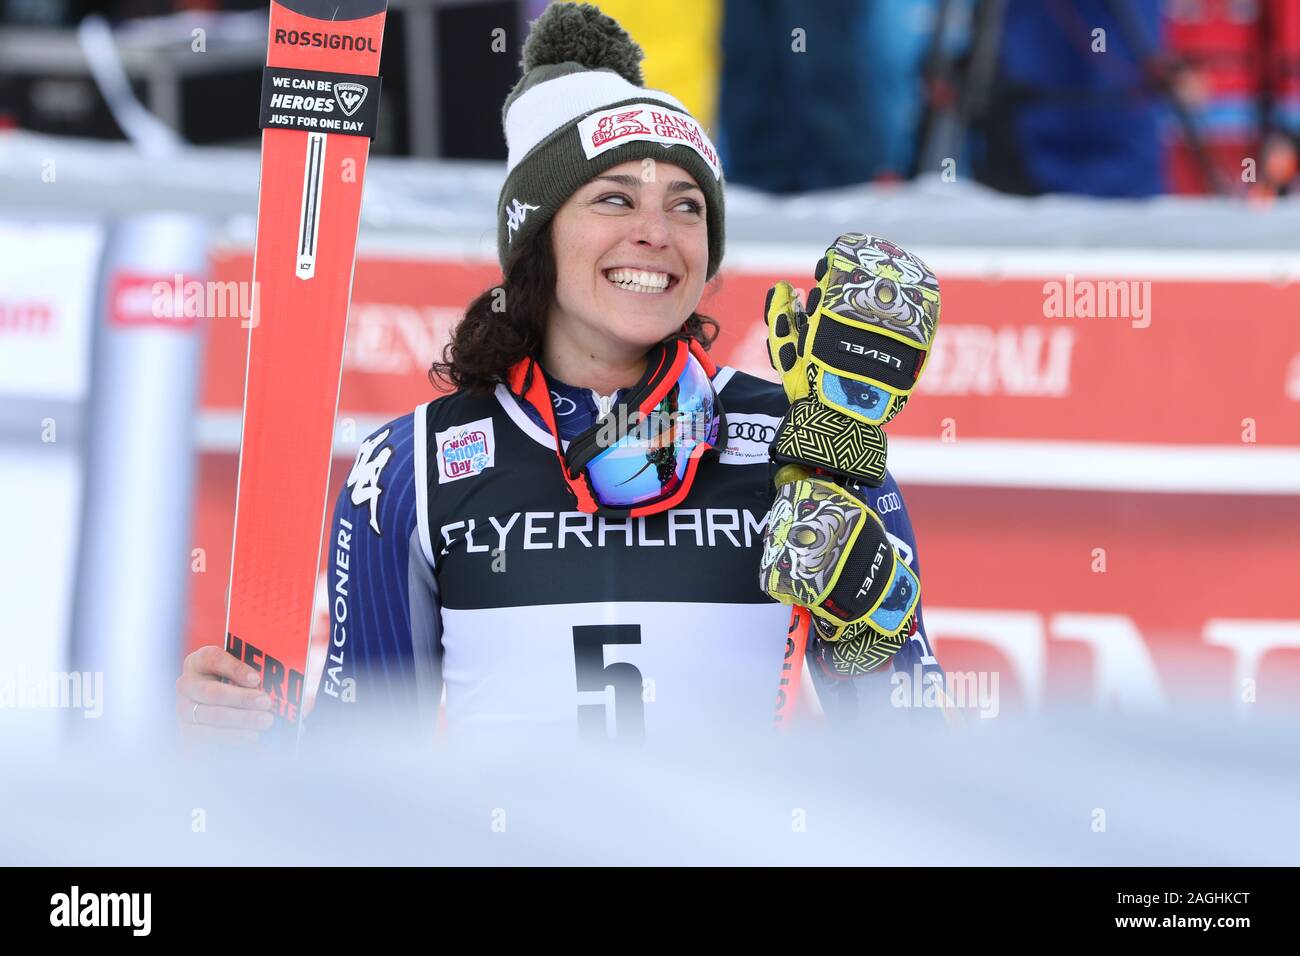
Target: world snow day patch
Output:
[{"x": 465, "y": 450}]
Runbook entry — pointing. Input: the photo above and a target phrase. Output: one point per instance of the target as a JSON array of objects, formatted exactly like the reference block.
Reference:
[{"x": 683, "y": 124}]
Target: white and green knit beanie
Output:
[{"x": 581, "y": 108}]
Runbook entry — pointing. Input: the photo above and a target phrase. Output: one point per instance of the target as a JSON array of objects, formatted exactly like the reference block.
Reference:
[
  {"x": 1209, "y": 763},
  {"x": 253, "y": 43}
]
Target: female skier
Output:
[{"x": 573, "y": 537}]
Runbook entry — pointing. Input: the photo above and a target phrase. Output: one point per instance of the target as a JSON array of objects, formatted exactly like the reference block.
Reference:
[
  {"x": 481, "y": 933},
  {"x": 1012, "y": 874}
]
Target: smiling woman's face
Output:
[{"x": 630, "y": 258}]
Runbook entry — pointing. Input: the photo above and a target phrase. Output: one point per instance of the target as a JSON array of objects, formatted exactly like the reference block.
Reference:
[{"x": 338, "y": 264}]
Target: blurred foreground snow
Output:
[{"x": 1185, "y": 792}]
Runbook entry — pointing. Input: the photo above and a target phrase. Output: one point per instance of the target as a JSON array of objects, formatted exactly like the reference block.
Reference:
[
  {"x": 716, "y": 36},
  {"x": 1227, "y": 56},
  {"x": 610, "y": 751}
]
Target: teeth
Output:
[{"x": 637, "y": 280}]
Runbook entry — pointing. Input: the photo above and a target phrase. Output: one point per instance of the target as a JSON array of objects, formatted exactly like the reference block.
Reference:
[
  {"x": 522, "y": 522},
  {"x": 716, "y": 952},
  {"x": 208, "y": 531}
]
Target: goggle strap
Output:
[
  {"x": 532, "y": 387},
  {"x": 703, "y": 357},
  {"x": 518, "y": 377},
  {"x": 665, "y": 381},
  {"x": 524, "y": 381}
]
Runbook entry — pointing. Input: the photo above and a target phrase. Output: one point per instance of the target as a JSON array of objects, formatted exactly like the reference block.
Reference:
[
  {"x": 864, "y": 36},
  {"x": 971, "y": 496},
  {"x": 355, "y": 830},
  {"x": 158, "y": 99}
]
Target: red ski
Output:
[{"x": 320, "y": 94}]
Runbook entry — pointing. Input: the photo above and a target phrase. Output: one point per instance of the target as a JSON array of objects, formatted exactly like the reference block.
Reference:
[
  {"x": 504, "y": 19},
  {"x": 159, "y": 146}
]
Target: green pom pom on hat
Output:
[{"x": 580, "y": 33}]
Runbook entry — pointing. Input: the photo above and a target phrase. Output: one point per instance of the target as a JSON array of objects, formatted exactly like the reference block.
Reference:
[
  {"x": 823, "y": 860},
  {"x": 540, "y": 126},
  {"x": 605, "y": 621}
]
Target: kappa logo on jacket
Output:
[
  {"x": 364, "y": 477},
  {"x": 465, "y": 450}
]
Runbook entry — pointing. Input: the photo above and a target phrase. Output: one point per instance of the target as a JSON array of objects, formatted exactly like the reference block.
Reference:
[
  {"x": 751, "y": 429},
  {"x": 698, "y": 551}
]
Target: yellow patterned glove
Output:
[
  {"x": 851, "y": 357},
  {"x": 855, "y": 649},
  {"x": 848, "y": 361},
  {"x": 826, "y": 550}
]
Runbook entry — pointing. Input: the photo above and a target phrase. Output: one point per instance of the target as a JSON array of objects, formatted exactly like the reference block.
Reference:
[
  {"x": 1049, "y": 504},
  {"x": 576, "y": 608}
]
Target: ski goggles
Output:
[{"x": 641, "y": 457}]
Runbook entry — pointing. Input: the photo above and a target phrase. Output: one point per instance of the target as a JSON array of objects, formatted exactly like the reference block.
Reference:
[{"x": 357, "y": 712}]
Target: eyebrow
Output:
[{"x": 631, "y": 182}]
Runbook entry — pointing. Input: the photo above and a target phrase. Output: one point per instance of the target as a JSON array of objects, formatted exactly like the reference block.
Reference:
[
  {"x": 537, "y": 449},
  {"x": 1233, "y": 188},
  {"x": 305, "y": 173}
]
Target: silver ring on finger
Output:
[{"x": 194, "y": 714}]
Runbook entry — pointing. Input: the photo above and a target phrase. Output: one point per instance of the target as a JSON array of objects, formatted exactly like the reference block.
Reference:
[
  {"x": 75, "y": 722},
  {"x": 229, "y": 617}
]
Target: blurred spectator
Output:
[
  {"x": 821, "y": 95},
  {"x": 793, "y": 116},
  {"x": 1073, "y": 109},
  {"x": 1242, "y": 77},
  {"x": 892, "y": 37}
]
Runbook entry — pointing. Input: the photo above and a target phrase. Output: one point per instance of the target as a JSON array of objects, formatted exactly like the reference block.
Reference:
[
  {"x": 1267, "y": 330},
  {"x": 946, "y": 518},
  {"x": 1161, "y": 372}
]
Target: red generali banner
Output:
[{"x": 1102, "y": 463}]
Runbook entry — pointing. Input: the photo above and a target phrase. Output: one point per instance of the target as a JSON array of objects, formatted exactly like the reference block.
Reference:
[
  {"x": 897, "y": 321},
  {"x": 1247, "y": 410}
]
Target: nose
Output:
[{"x": 651, "y": 227}]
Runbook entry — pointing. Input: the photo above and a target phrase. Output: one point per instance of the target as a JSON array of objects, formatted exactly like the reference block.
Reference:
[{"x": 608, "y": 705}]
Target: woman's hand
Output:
[
  {"x": 209, "y": 710},
  {"x": 850, "y": 357}
]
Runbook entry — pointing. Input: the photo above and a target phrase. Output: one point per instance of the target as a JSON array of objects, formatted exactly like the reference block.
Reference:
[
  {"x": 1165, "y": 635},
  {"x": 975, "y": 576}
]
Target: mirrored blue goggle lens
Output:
[{"x": 650, "y": 462}]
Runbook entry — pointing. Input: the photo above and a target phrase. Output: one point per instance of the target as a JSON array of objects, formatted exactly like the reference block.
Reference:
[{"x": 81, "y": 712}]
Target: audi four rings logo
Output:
[
  {"x": 888, "y": 502},
  {"x": 563, "y": 404},
  {"x": 751, "y": 431}
]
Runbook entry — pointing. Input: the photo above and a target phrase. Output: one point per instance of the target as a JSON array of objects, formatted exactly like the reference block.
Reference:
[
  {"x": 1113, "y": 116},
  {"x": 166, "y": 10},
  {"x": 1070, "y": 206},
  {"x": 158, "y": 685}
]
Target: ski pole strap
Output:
[{"x": 825, "y": 549}]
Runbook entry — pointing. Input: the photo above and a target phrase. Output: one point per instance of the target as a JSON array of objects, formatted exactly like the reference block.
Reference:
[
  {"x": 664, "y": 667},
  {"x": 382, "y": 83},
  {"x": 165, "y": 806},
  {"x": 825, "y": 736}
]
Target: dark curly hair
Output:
[{"x": 507, "y": 322}]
